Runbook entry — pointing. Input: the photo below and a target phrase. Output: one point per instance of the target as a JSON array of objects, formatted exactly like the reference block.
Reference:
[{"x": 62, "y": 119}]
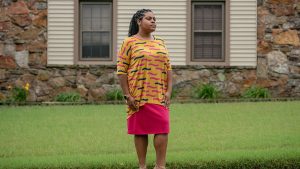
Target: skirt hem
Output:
[{"x": 146, "y": 133}]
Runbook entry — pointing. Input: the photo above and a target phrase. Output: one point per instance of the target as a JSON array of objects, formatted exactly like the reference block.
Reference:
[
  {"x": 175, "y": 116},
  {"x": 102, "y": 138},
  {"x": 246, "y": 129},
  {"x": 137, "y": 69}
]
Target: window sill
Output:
[
  {"x": 208, "y": 63},
  {"x": 96, "y": 62},
  {"x": 199, "y": 67}
]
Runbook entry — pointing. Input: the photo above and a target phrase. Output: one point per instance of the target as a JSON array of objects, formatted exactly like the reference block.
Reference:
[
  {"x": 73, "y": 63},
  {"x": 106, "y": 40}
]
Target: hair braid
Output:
[{"x": 134, "y": 27}]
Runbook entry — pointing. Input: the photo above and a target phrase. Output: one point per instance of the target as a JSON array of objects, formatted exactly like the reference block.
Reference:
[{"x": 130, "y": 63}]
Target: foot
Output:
[
  {"x": 159, "y": 167},
  {"x": 143, "y": 167}
]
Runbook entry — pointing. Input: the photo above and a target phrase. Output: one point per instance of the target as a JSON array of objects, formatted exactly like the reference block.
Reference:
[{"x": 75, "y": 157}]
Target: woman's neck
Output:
[{"x": 144, "y": 35}]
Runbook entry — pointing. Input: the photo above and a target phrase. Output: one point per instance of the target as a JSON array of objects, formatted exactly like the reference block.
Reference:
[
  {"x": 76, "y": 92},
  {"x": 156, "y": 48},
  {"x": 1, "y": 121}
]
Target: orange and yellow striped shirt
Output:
[{"x": 146, "y": 63}]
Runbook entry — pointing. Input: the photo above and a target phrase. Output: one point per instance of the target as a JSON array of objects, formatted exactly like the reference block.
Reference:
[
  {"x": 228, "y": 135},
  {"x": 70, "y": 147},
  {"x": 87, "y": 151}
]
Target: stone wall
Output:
[
  {"x": 23, "y": 57},
  {"x": 92, "y": 82},
  {"x": 23, "y": 33},
  {"x": 278, "y": 46}
]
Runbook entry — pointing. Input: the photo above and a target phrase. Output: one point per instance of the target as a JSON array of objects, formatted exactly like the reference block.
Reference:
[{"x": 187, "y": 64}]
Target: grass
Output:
[{"x": 92, "y": 136}]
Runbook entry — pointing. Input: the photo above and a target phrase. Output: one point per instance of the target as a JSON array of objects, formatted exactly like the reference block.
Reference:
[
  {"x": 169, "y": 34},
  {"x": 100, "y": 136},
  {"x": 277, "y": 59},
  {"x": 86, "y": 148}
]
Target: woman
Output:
[{"x": 144, "y": 71}]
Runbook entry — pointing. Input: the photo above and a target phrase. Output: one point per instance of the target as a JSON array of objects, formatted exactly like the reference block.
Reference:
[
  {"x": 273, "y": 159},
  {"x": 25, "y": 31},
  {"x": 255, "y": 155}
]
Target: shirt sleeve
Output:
[
  {"x": 168, "y": 64},
  {"x": 124, "y": 55}
]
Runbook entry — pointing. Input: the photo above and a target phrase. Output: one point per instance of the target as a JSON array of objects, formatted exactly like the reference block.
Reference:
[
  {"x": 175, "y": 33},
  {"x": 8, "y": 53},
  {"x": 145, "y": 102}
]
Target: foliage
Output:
[
  {"x": 256, "y": 92},
  {"x": 174, "y": 93},
  {"x": 18, "y": 94},
  {"x": 206, "y": 91},
  {"x": 68, "y": 97},
  {"x": 115, "y": 94}
]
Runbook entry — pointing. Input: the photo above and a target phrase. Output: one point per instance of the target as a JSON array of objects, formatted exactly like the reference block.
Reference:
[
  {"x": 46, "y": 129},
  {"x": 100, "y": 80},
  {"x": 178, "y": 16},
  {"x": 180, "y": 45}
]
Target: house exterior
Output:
[{"x": 71, "y": 45}]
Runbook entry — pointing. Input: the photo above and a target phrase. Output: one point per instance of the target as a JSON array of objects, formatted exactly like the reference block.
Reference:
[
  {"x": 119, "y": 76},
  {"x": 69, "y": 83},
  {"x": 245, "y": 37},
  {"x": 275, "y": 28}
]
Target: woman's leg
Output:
[
  {"x": 160, "y": 145},
  {"x": 141, "y": 144}
]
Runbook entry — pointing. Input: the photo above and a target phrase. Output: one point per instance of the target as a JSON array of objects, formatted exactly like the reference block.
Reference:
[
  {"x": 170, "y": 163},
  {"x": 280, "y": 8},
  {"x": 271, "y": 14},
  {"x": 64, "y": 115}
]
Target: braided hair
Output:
[{"x": 134, "y": 27}]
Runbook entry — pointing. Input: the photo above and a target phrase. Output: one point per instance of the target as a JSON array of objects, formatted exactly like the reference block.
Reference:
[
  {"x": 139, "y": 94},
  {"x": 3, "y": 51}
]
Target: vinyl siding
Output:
[
  {"x": 243, "y": 18},
  {"x": 60, "y": 32}
]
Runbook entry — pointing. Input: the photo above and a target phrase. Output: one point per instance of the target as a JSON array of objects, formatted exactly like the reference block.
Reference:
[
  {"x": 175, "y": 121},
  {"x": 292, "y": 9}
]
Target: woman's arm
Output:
[
  {"x": 169, "y": 89},
  {"x": 124, "y": 85},
  {"x": 169, "y": 77}
]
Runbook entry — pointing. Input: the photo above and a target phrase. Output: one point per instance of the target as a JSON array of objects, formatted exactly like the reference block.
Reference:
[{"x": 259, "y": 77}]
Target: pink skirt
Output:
[{"x": 150, "y": 119}]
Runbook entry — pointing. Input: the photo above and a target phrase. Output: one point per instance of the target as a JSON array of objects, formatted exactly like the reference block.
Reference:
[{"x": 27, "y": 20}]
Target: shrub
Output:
[
  {"x": 18, "y": 94},
  {"x": 174, "y": 93},
  {"x": 206, "y": 91},
  {"x": 68, "y": 97},
  {"x": 115, "y": 94},
  {"x": 256, "y": 92}
]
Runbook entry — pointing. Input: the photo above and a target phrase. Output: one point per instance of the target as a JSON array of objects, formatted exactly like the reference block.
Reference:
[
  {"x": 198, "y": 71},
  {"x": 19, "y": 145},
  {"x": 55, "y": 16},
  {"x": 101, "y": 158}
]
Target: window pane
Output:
[
  {"x": 101, "y": 18},
  {"x": 86, "y": 11},
  {"x": 95, "y": 44},
  {"x": 208, "y": 17},
  {"x": 106, "y": 11},
  {"x": 87, "y": 24},
  {"x": 96, "y": 23},
  {"x": 86, "y": 17},
  {"x": 106, "y": 24},
  {"x": 208, "y": 45},
  {"x": 217, "y": 17},
  {"x": 96, "y": 11},
  {"x": 86, "y": 45},
  {"x": 96, "y": 17},
  {"x": 104, "y": 48}
]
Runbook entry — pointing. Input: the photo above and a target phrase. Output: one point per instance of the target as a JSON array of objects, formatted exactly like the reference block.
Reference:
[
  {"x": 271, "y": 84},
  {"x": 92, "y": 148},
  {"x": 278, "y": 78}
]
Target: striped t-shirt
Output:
[{"x": 146, "y": 63}]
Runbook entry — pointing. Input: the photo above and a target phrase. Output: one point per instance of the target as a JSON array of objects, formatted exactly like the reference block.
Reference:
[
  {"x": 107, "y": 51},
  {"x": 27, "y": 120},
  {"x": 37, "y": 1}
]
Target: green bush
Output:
[
  {"x": 174, "y": 93},
  {"x": 256, "y": 92},
  {"x": 115, "y": 94},
  {"x": 18, "y": 94},
  {"x": 68, "y": 97},
  {"x": 205, "y": 91}
]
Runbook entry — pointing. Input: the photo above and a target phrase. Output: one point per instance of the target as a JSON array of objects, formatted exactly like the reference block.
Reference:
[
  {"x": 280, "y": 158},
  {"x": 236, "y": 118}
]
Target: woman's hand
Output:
[
  {"x": 132, "y": 103},
  {"x": 167, "y": 99}
]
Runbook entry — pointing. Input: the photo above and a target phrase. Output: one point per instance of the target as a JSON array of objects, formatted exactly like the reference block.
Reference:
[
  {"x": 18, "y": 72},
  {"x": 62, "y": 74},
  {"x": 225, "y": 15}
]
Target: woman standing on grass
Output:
[{"x": 145, "y": 75}]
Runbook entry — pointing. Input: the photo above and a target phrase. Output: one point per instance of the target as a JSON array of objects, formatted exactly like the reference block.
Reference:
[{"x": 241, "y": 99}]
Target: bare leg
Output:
[
  {"x": 160, "y": 145},
  {"x": 141, "y": 144}
]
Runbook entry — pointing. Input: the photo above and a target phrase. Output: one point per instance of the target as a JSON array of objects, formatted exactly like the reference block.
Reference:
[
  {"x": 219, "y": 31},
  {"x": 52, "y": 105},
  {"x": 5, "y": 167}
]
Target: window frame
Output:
[
  {"x": 208, "y": 31},
  {"x": 81, "y": 31},
  {"x": 190, "y": 34},
  {"x": 77, "y": 35}
]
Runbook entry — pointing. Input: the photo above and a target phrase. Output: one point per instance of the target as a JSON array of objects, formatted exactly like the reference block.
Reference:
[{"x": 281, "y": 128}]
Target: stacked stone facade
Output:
[{"x": 23, "y": 58}]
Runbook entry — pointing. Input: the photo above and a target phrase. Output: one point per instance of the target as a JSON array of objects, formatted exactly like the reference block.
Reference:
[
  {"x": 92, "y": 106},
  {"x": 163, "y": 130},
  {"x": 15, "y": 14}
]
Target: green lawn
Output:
[{"x": 93, "y": 135}]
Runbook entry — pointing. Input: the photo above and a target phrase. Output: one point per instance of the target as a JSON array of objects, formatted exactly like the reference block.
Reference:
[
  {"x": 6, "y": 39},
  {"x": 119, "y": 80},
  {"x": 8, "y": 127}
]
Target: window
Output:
[
  {"x": 95, "y": 30},
  {"x": 208, "y": 31}
]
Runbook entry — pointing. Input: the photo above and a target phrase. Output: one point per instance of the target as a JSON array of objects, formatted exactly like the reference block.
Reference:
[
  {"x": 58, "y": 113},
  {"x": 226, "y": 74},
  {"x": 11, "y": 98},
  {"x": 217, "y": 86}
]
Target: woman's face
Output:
[{"x": 148, "y": 23}]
